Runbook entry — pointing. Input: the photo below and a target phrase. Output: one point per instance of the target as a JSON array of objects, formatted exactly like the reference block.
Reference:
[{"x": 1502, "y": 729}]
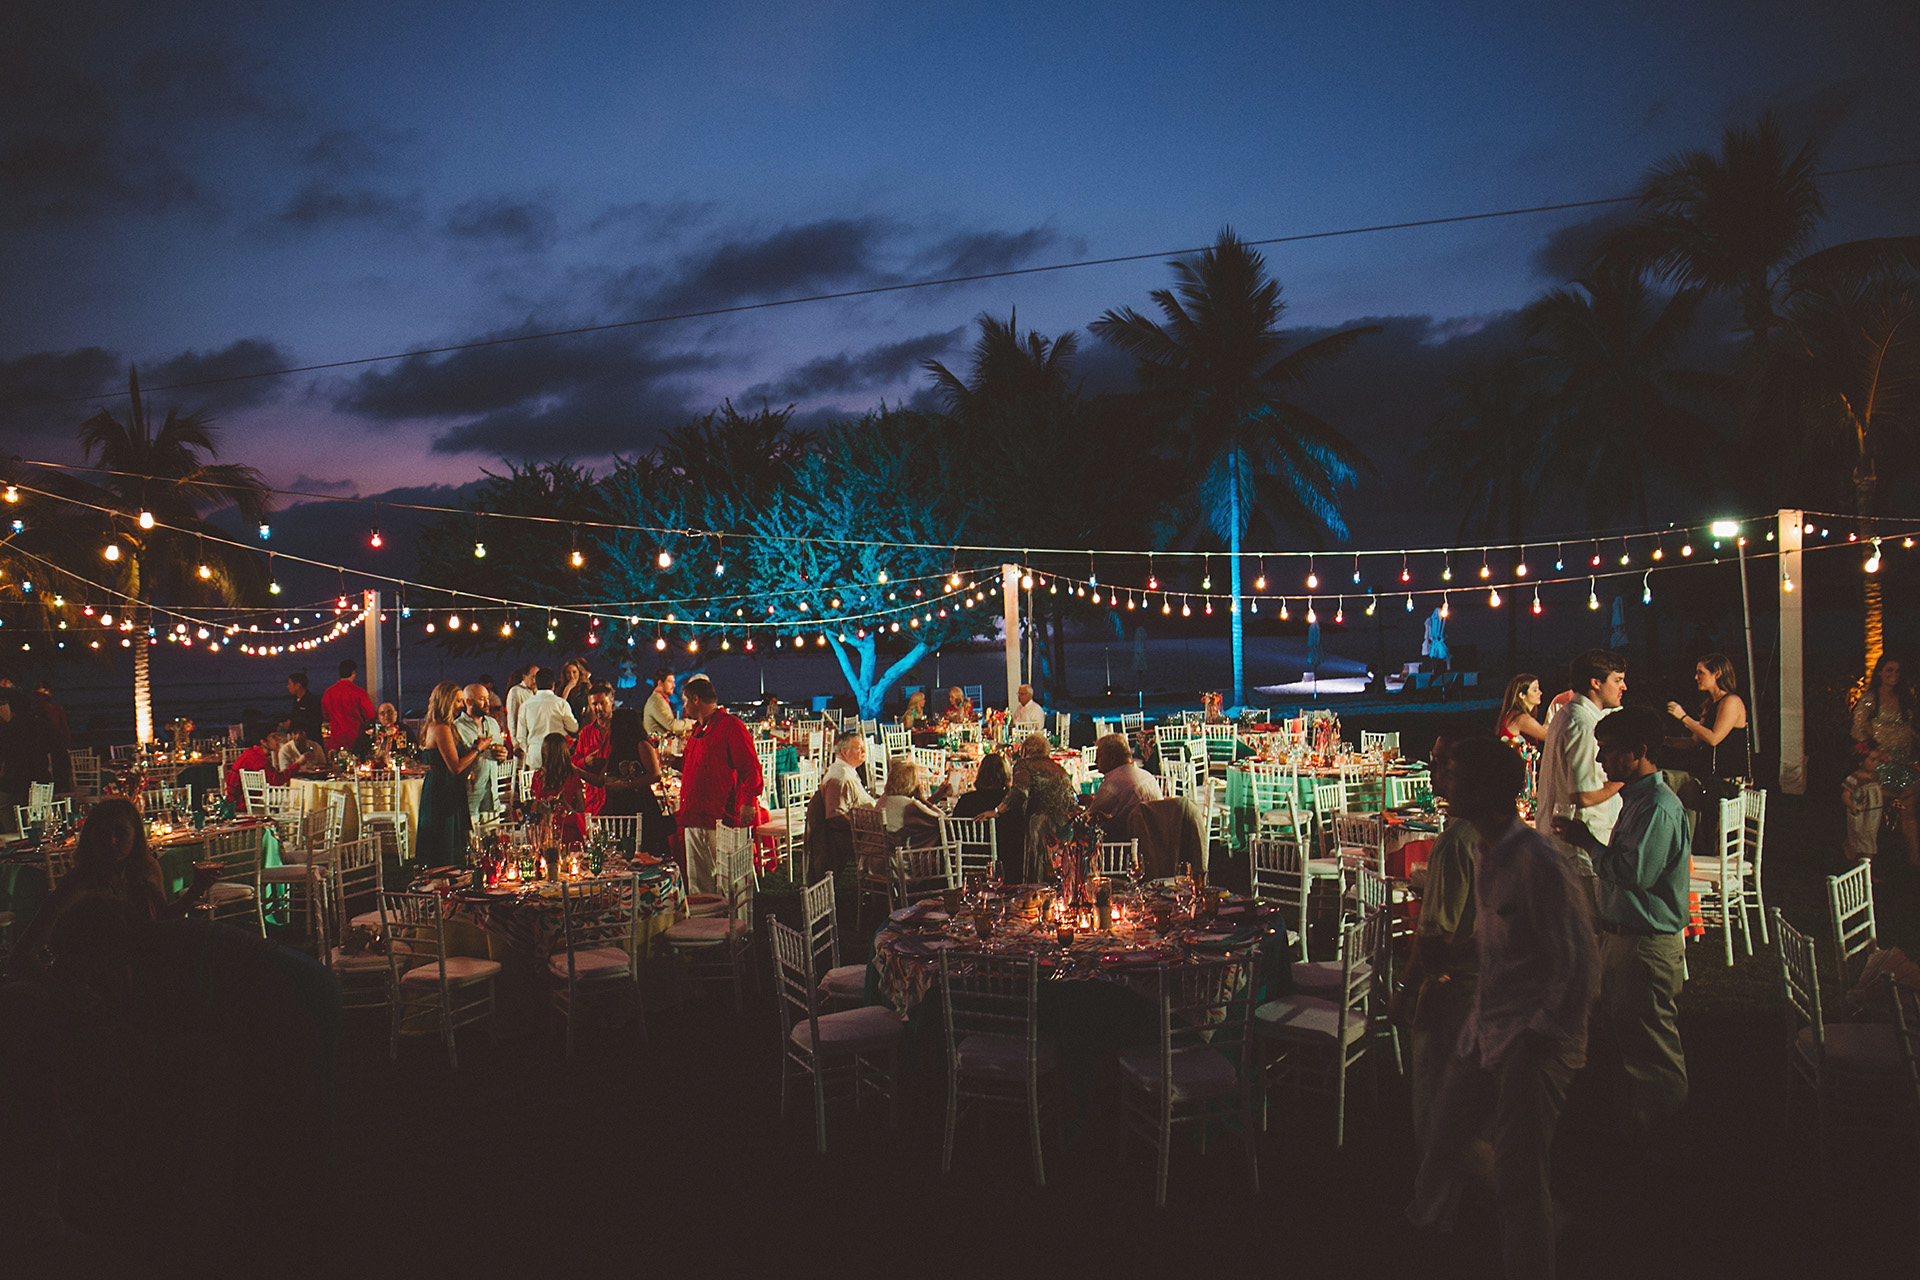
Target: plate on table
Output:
[
  {"x": 1132, "y": 959},
  {"x": 921, "y": 948},
  {"x": 920, "y": 913}
]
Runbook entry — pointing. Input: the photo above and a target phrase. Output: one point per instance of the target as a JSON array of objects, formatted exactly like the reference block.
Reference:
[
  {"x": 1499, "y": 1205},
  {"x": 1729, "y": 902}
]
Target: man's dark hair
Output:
[
  {"x": 1632, "y": 727},
  {"x": 1487, "y": 761},
  {"x": 599, "y": 686},
  {"x": 543, "y": 678},
  {"x": 700, "y": 689},
  {"x": 299, "y": 678},
  {"x": 661, "y": 674},
  {"x": 1594, "y": 664},
  {"x": 348, "y": 668}
]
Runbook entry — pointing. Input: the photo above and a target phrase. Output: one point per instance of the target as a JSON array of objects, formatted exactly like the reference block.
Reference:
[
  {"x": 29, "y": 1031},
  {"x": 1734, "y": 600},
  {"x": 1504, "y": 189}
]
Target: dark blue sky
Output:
[{"x": 210, "y": 188}]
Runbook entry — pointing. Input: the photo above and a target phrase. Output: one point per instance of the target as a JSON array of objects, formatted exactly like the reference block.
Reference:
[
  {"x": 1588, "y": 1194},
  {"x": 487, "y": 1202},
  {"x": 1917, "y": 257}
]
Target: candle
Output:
[{"x": 1065, "y": 935}]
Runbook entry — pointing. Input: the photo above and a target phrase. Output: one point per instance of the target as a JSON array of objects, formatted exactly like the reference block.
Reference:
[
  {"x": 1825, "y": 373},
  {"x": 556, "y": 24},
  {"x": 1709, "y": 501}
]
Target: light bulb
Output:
[
  {"x": 1165, "y": 607},
  {"x": 1313, "y": 581},
  {"x": 1153, "y": 584},
  {"x": 206, "y": 571},
  {"x": 506, "y": 629},
  {"x": 664, "y": 559},
  {"x": 1593, "y": 601},
  {"x": 1493, "y": 597},
  {"x": 1186, "y": 610},
  {"x": 479, "y": 551},
  {"x": 1536, "y": 602},
  {"x": 274, "y": 587},
  {"x": 1340, "y": 615},
  {"x": 1260, "y": 583},
  {"x": 266, "y": 531},
  {"x": 13, "y": 495},
  {"x": 1026, "y": 582},
  {"x": 374, "y": 539},
  {"x": 719, "y": 568},
  {"x": 1485, "y": 572},
  {"x": 576, "y": 558},
  {"x": 882, "y": 579},
  {"x": 112, "y": 552},
  {"x": 1520, "y": 570},
  {"x": 1446, "y": 610},
  {"x": 146, "y": 519},
  {"x": 1686, "y": 549},
  {"x": 1312, "y": 617},
  {"x": 1409, "y": 602},
  {"x": 453, "y": 621}
]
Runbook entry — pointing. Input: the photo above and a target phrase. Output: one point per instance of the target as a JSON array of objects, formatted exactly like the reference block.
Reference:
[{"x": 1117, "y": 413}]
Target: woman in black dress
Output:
[
  {"x": 1722, "y": 726},
  {"x": 632, "y": 770}
]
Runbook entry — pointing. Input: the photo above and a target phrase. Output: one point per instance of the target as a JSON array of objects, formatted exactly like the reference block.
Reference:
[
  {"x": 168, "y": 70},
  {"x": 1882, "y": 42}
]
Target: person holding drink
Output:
[
  {"x": 1572, "y": 783},
  {"x": 475, "y": 723},
  {"x": 444, "y": 820}
]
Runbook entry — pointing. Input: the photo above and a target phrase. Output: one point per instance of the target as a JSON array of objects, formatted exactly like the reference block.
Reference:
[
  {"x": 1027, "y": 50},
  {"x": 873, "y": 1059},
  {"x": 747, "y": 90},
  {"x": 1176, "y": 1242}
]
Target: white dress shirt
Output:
[
  {"x": 1027, "y": 716},
  {"x": 544, "y": 713},
  {"x": 516, "y": 697},
  {"x": 848, "y": 793},
  {"x": 1569, "y": 764}
]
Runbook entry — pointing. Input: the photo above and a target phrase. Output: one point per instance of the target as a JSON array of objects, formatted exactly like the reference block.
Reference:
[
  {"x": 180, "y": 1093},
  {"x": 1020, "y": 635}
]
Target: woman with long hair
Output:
[
  {"x": 445, "y": 823},
  {"x": 903, "y": 807},
  {"x": 558, "y": 785},
  {"x": 1883, "y": 735},
  {"x": 915, "y": 716},
  {"x": 959, "y": 708},
  {"x": 632, "y": 769},
  {"x": 1722, "y": 725},
  {"x": 1517, "y": 726}
]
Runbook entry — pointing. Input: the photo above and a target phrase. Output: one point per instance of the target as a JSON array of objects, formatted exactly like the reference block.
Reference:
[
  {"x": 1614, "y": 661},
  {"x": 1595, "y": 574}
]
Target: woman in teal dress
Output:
[{"x": 444, "y": 821}]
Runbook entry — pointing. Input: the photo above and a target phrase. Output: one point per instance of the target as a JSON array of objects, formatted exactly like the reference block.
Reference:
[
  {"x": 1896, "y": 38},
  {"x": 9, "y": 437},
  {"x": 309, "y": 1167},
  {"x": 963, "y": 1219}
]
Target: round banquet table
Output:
[
  {"x": 312, "y": 793},
  {"x": 23, "y": 869}
]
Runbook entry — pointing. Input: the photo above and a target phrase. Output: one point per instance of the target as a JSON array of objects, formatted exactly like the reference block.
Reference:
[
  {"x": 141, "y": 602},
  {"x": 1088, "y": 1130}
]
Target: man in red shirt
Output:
[
  {"x": 594, "y": 745},
  {"x": 347, "y": 708},
  {"x": 261, "y": 756},
  {"x": 720, "y": 778}
]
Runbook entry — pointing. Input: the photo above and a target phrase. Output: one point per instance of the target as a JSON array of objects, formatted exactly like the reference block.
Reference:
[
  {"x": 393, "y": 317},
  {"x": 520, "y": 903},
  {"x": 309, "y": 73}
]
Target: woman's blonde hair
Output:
[
  {"x": 440, "y": 702},
  {"x": 903, "y": 776},
  {"x": 1034, "y": 745}
]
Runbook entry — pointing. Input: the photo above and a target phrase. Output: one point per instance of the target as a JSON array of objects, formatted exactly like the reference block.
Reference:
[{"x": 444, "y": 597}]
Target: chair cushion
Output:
[
  {"x": 848, "y": 981},
  {"x": 774, "y": 828},
  {"x": 1003, "y": 1056},
  {"x": 1327, "y": 868},
  {"x": 852, "y": 1031},
  {"x": 591, "y": 962},
  {"x": 1305, "y": 1017},
  {"x": 1279, "y": 818},
  {"x": 366, "y": 959},
  {"x": 367, "y": 920},
  {"x": 229, "y": 891},
  {"x": 1197, "y": 1073},
  {"x": 459, "y": 969},
  {"x": 702, "y": 931},
  {"x": 1871, "y": 1048},
  {"x": 299, "y": 873},
  {"x": 1323, "y": 975},
  {"x": 706, "y": 904}
]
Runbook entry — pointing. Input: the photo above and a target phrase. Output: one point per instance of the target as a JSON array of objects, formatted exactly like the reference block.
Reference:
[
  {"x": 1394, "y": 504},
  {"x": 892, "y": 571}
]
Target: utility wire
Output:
[{"x": 873, "y": 290}]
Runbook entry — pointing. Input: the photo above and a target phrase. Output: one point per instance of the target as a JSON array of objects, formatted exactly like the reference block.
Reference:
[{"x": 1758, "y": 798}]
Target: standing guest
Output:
[
  {"x": 658, "y": 718},
  {"x": 494, "y": 703},
  {"x": 475, "y": 723},
  {"x": 1517, "y": 726},
  {"x": 1125, "y": 788},
  {"x": 959, "y": 708},
  {"x": 1026, "y": 713},
  {"x": 1526, "y": 1034},
  {"x": 1438, "y": 985},
  {"x": 56, "y": 717},
  {"x": 522, "y": 690},
  {"x": 720, "y": 782},
  {"x": 631, "y": 772},
  {"x": 575, "y": 683},
  {"x": 903, "y": 807},
  {"x": 262, "y": 757},
  {"x": 348, "y": 710},
  {"x": 444, "y": 824},
  {"x": 915, "y": 716},
  {"x": 557, "y": 787},
  {"x": 829, "y": 828},
  {"x": 1641, "y": 894},
  {"x": 592, "y": 748},
  {"x": 1040, "y": 791},
  {"x": 1722, "y": 726},
  {"x": 305, "y": 712},
  {"x": 1570, "y": 772},
  {"x": 388, "y": 733},
  {"x": 299, "y": 753},
  {"x": 546, "y": 712},
  {"x": 1883, "y": 736}
]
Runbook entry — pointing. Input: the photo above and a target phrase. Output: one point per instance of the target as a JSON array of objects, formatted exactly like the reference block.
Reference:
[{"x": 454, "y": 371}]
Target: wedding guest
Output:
[
  {"x": 1722, "y": 726},
  {"x": 522, "y": 690},
  {"x": 1026, "y": 713},
  {"x": 989, "y": 788},
  {"x": 444, "y": 823},
  {"x": 829, "y": 829},
  {"x": 475, "y": 723},
  {"x": 659, "y": 718},
  {"x": 903, "y": 807},
  {"x": 1883, "y": 737},
  {"x": 959, "y": 707},
  {"x": 298, "y": 753},
  {"x": 721, "y": 780},
  {"x": 559, "y": 788},
  {"x": 915, "y": 716},
  {"x": 543, "y": 714},
  {"x": 1125, "y": 787},
  {"x": 305, "y": 712},
  {"x": 628, "y": 778},
  {"x": 348, "y": 710},
  {"x": 391, "y": 735},
  {"x": 591, "y": 748},
  {"x": 576, "y": 682},
  {"x": 1517, "y": 726},
  {"x": 1526, "y": 1034},
  {"x": 1570, "y": 771},
  {"x": 262, "y": 757},
  {"x": 1040, "y": 790}
]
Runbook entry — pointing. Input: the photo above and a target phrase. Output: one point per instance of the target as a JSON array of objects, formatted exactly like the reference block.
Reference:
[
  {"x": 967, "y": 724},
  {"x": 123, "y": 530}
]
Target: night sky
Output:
[{"x": 218, "y": 188}]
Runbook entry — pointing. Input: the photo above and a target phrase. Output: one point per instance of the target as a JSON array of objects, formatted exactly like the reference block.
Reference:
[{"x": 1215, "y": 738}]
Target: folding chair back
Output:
[
  {"x": 1850, "y": 913},
  {"x": 978, "y": 841}
]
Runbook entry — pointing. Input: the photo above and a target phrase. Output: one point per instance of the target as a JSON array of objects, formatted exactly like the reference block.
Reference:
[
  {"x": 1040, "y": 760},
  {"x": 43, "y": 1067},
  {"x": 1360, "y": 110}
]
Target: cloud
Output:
[
  {"x": 325, "y": 204},
  {"x": 980, "y": 252},
  {"x": 235, "y": 360},
  {"x": 351, "y": 151},
  {"x": 858, "y": 370},
  {"x": 521, "y": 224},
  {"x": 209, "y": 80},
  {"x": 1567, "y": 251},
  {"x": 813, "y": 257},
  {"x": 305, "y": 483}
]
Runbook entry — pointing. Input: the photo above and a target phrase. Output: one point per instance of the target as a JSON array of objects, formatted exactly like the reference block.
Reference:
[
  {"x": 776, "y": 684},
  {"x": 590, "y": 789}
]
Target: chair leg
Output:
[
  {"x": 953, "y": 1118},
  {"x": 1033, "y": 1134},
  {"x": 1163, "y": 1156},
  {"x": 820, "y": 1104}
]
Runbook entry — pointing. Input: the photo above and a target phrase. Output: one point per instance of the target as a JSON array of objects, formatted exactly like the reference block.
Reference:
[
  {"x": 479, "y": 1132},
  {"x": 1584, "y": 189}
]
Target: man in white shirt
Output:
[
  {"x": 657, "y": 718},
  {"x": 299, "y": 752},
  {"x": 476, "y": 723},
  {"x": 1570, "y": 771},
  {"x": 1526, "y": 1034},
  {"x": 829, "y": 829},
  {"x": 544, "y": 713},
  {"x": 1125, "y": 788},
  {"x": 1026, "y": 713},
  {"x": 522, "y": 690}
]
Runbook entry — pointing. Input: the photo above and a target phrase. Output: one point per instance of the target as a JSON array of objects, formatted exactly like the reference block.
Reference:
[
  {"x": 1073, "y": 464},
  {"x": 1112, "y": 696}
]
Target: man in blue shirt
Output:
[{"x": 1642, "y": 872}]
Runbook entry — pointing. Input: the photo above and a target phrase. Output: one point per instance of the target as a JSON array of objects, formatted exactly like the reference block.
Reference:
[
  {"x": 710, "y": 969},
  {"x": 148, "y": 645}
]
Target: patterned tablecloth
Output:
[
  {"x": 905, "y": 962},
  {"x": 531, "y": 923},
  {"x": 23, "y": 869}
]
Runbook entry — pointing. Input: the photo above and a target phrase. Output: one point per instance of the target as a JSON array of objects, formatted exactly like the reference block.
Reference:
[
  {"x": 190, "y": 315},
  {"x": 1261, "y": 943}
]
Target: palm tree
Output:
[
  {"x": 1007, "y": 374},
  {"x": 1854, "y": 369},
  {"x": 177, "y": 554},
  {"x": 1217, "y": 372},
  {"x": 1607, "y": 346},
  {"x": 1484, "y": 452}
]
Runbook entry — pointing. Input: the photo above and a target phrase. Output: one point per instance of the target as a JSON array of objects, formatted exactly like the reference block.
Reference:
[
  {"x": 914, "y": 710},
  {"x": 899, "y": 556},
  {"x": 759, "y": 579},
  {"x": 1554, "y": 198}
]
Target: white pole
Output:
[
  {"x": 1010, "y": 609},
  {"x": 1793, "y": 715},
  {"x": 372, "y": 628},
  {"x": 1746, "y": 609}
]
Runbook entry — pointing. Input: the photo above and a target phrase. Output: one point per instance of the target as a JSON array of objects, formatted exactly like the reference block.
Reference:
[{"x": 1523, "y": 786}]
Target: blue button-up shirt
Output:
[{"x": 1644, "y": 867}]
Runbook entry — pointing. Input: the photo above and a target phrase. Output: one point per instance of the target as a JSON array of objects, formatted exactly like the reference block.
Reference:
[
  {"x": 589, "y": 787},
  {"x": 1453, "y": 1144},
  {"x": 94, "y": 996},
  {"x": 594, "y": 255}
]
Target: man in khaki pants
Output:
[{"x": 1641, "y": 891}]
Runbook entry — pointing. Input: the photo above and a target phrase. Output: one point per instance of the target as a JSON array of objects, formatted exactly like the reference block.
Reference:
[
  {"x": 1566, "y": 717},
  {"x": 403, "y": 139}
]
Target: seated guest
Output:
[
  {"x": 829, "y": 829},
  {"x": 1125, "y": 788},
  {"x": 959, "y": 708},
  {"x": 1026, "y": 713},
  {"x": 559, "y": 789},
  {"x": 989, "y": 788},
  {"x": 264, "y": 757},
  {"x": 915, "y": 716},
  {"x": 388, "y": 733},
  {"x": 299, "y": 752},
  {"x": 902, "y": 808}
]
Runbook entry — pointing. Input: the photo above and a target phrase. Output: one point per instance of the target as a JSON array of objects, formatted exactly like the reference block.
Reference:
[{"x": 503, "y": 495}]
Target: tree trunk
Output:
[
  {"x": 870, "y": 689},
  {"x": 142, "y": 678},
  {"x": 1865, "y": 483},
  {"x": 1233, "y": 558}
]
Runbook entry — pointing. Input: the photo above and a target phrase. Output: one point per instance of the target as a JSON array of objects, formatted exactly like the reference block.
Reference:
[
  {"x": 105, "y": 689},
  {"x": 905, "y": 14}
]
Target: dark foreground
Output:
[{"x": 670, "y": 1153}]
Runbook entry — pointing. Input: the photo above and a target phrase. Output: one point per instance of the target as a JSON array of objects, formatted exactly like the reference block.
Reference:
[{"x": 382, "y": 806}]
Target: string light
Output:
[
  {"x": 1646, "y": 588},
  {"x": 1446, "y": 605},
  {"x": 1356, "y": 571},
  {"x": 1446, "y": 574},
  {"x": 1873, "y": 561},
  {"x": 1186, "y": 608},
  {"x": 1313, "y": 579},
  {"x": 112, "y": 552},
  {"x": 146, "y": 519},
  {"x": 1372, "y": 603},
  {"x": 1493, "y": 596},
  {"x": 1340, "y": 612},
  {"x": 664, "y": 559},
  {"x": 1312, "y": 617},
  {"x": 1485, "y": 571},
  {"x": 1206, "y": 574},
  {"x": 1593, "y": 597},
  {"x": 13, "y": 494},
  {"x": 1153, "y": 580},
  {"x": 374, "y": 539},
  {"x": 1409, "y": 602},
  {"x": 1536, "y": 600},
  {"x": 1283, "y": 609},
  {"x": 1260, "y": 583},
  {"x": 1405, "y": 575},
  {"x": 266, "y": 531}
]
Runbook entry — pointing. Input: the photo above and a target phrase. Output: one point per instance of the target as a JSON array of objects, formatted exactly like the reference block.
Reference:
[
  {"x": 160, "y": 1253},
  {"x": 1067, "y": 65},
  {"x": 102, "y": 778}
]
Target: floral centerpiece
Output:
[
  {"x": 182, "y": 732},
  {"x": 1210, "y": 704},
  {"x": 1074, "y": 851}
]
